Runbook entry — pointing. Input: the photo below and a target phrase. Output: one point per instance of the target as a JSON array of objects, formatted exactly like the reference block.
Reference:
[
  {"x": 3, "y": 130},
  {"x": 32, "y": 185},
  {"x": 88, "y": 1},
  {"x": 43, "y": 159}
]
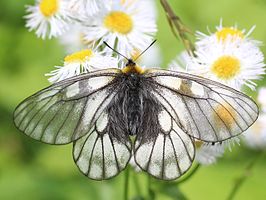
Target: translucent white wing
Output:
[
  {"x": 65, "y": 111},
  {"x": 100, "y": 155},
  {"x": 204, "y": 109},
  {"x": 169, "y": 154}
]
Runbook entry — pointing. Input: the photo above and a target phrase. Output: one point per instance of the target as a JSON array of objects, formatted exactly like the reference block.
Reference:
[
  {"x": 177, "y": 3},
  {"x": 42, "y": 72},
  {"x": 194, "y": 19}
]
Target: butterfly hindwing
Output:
[
  {"x": 168, "y": 155},
  {"x": 161, "y": 148},
  {"x": 99, "y": 155},
  {"x": 204, "y": 109},
  {"x": 66, "y": 110}
]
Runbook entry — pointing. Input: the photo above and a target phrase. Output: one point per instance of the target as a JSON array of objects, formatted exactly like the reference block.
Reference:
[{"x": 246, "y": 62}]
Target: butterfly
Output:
[{"x": 153, "y": 116}]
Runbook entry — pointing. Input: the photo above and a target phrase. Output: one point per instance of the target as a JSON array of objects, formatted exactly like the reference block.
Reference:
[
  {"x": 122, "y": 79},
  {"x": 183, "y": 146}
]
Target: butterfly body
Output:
[
  {"x": 166, "y": 111},
  {"x": 134, "y": 107},
  {"x": 132, "y": 98}
]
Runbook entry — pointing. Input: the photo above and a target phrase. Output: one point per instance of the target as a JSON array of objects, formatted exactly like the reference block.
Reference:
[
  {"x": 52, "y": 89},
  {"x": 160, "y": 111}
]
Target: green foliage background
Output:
[{"x": 32, "y": 170}]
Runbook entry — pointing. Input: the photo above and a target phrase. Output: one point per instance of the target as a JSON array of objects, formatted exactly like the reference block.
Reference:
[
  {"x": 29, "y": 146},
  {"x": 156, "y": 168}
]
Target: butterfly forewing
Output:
[
  {"x": 66, "y": 111},
  {"x": 204, "y": 109}
]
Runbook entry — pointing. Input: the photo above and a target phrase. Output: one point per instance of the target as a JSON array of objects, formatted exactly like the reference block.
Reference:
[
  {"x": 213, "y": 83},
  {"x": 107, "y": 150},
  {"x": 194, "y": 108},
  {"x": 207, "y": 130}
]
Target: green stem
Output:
[
  {"x": 136, "y": 183},
  {"x": 191, "y": 173},
  {"x": 240, "y": 180},
  {"x": 126, "y": 185},
  {"x": 150, "y": 192},
  {"x": 177, "y": 26}
]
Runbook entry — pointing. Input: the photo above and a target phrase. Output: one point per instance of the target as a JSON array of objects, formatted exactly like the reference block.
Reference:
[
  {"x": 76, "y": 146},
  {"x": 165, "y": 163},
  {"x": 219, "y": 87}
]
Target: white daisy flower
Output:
[
  {"x": 255, "y": 136},
  {"x": 262, "y": 98},
  {"x": 125, "y": 25},
  {"x": 81, "y": 62},
  {"x": 49, "y": 18},
  {"x": 224, "y": 34},
  {"x": 87, "y": 7},
  {"x": 233, "y": 63},
  {"x": 229, "y": 56}
]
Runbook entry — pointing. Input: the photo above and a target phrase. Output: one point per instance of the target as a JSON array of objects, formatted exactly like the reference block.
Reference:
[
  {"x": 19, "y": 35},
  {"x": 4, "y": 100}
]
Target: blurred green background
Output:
[{"x": 32, "y": 170}]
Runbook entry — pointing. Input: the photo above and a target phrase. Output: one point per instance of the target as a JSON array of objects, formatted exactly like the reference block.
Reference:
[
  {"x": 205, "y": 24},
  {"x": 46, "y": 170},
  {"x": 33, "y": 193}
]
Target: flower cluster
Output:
[
  {"x": 83, "y": 25},
  {"x": 229, "y": 56}
]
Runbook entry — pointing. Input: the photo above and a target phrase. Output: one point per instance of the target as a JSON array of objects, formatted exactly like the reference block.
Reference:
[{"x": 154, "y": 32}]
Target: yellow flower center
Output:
[
  {"x": 226, "y": 67},
  {"x": 224, "y": 115},
  {"x": 49, "y": 7},
  {"x": 118, "y": 21},
  {"x": 80, "y": 56},
  {"x": 225, "y": 32}
]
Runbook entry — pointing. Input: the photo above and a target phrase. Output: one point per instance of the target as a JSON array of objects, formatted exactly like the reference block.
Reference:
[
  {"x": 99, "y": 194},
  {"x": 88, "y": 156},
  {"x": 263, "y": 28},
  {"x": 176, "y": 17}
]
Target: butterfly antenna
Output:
[
  {"x": 145, "y": 50},
  {"x": 115, "y": 50}
]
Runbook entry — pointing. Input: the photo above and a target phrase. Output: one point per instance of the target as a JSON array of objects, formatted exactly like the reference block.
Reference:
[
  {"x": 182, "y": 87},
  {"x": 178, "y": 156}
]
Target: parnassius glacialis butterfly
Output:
[{"x": 164, "y": 111}]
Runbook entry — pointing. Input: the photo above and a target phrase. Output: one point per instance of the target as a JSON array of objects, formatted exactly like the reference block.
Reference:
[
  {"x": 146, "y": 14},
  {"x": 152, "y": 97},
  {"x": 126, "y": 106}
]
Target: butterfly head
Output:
[{"x": 132, "y": 67}]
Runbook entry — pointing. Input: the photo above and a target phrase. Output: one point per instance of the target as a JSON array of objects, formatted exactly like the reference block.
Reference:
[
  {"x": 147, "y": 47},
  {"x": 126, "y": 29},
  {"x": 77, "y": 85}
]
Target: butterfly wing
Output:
[
  {"x": 106, "y": 150},
  {"x": 100, "y": 155},
  {"x": 67, "y": 110},
  {"x": 168, "y": 155},
  {"x": 204, "y": 109},
  {"x": 161, "y": 148}
]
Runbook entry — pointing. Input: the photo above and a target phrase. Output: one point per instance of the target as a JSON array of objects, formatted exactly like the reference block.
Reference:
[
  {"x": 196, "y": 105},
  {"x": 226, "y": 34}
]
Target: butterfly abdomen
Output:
[
  {"x": 132, "y": 103},
  {"x": 125, "y": 110},
  {"x": 134, "y": 110},
  {"x": 139, "y": 107}
]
